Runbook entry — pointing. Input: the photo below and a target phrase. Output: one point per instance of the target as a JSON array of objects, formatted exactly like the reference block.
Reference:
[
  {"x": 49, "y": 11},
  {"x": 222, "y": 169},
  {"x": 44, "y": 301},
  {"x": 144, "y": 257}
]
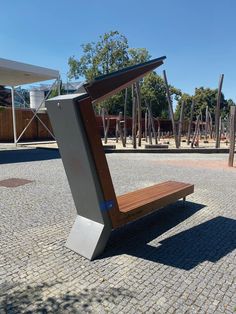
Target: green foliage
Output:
[
  {"x": 203, "y": 97},
  {"x": 138, "y": 55},
  {"x": 153, "y": 91},
  {"x": 109, "y": 54},
  {"x": 187, "y": 99}
]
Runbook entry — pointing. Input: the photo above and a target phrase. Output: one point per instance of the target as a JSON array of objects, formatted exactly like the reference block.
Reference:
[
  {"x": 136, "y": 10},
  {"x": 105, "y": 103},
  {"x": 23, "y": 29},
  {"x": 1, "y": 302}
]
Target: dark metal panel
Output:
[{"x": 107, "y": 85}]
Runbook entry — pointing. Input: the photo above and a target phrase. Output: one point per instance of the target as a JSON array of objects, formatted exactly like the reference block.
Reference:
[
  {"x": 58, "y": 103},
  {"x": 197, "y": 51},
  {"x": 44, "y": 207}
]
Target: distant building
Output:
[{"x": 34, "y": 95}]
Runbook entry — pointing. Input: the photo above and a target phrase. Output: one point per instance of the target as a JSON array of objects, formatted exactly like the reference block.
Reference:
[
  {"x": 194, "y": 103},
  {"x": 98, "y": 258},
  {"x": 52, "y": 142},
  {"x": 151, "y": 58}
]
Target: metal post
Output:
[{"x": 13, "y": 114}]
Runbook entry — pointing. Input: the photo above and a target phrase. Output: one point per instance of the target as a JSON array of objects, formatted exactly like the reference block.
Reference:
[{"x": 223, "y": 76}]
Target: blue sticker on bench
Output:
[{"x": 106, "y": 205}]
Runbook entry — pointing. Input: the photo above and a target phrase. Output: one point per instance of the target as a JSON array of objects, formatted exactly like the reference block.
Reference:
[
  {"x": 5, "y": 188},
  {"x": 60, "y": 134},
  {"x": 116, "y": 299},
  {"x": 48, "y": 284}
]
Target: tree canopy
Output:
[
  {"x": 112, "y": 52},
  {"x": 202, "y": 98}
]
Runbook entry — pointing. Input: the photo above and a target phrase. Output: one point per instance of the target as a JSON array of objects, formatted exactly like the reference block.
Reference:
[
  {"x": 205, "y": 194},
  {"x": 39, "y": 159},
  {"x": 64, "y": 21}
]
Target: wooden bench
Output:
[{"x": 99, "y": 209}]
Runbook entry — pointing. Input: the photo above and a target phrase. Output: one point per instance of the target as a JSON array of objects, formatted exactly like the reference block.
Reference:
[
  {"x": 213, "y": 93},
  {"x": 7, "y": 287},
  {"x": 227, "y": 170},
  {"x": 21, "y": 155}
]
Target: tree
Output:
[
  {"x": 109, "y": 54},
  {"x": 187, "y": 99},
  {"x": 154, "y": 92},
  {"x": 203, "y": 97},
  {"x": 138, "y": 55}
]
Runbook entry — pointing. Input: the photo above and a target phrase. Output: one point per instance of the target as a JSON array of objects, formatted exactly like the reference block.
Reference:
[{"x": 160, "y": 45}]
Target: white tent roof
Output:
[{"x": 13, "y": 73}]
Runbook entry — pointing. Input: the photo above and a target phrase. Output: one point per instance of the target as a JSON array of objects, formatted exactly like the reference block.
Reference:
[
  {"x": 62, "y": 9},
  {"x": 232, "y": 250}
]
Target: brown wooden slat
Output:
[
  {"x": 137, "y": 204},
  {"x": 132, "y": 200},
  {"x": 89, "y": 121}
]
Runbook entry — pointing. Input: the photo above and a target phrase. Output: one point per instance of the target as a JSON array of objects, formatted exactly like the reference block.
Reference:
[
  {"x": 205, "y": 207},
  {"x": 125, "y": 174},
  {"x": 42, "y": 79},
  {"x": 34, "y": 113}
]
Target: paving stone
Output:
[{"x": 178, "y": 260}]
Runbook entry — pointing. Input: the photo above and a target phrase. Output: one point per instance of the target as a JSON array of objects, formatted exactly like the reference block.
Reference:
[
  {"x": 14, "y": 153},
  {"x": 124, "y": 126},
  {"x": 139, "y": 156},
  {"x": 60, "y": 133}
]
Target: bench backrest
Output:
[
  {"x": 84, "y": 160},
  {"x": 74, "y": 124}
]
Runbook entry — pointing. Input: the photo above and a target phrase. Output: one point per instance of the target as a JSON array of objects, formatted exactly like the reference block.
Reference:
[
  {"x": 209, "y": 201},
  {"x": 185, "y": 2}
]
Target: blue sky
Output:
[{"x": 198, "y": 37}]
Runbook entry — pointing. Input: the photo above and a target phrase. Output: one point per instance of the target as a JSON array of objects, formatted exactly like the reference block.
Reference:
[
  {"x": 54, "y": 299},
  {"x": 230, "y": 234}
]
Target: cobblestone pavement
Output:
[{"x": 178, "y": 260}]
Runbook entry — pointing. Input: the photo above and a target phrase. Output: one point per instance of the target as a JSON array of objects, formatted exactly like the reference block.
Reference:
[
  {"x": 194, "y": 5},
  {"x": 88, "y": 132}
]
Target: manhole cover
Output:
[{"x": 14, "y": 182}]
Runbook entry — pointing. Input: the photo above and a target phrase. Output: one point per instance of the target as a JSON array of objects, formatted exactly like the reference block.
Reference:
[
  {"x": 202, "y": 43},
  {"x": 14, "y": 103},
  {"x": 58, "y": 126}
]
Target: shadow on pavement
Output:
[
  {"x": 32, "y": 299},
  {"x": 26, "y": 155},
  {"x": 209, "y": 241}
]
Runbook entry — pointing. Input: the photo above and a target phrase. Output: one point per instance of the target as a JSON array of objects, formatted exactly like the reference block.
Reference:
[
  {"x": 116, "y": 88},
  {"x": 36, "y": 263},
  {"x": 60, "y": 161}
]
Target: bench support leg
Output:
[{"x": 87, "y": 237}]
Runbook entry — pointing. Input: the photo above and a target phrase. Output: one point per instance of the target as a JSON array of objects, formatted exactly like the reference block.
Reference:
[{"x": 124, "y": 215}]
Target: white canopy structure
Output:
[{"x": 13, "y": 73}]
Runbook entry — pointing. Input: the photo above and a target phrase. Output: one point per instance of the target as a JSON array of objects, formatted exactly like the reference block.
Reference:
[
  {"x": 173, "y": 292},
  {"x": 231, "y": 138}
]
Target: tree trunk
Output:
[
  {"x": 170, "y": 109},
  {"x": 217, "y": 112}
]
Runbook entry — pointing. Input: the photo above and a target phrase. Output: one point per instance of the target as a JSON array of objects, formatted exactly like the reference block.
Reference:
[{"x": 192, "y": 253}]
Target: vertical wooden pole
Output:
[
  {"x": 206, "y": 123},
  {"x": 196, "y": 131},
  {"x": 200, "y": 124},
  {"x": 149, "y": 128},
  {"x": 117, "y": 130},
  {"x": 120, "y": 130},
  {"x": 217, "y": 112},
  {"x": 134, "y": 117},
  {"x": 232, "y": 135},
  {"x": 145, "y": 124},
  {"x": 152, "y": 125},
  {"x": 106, "y": 124},
  {"x": 170, "y": 109},
  {"x": 190, "y": 122},
  {"x": 158, "y": 129},
  {"x": 125, "y": 112},
  {"x": 139, "y": 114},
  {"x": 227, "y": 127},
  {"x": 181, "y": 123},
  {"x": 210, "y": 125}
]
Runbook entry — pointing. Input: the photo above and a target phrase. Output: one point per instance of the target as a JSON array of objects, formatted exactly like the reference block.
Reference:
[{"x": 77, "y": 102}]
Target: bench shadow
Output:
[
  {"x": 26, "y": 155},
  {"x": 209, "y": 241}
]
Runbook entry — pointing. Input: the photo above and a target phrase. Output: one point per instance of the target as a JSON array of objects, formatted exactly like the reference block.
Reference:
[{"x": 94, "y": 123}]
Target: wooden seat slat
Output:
[{"x": 156, "y": 195}]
